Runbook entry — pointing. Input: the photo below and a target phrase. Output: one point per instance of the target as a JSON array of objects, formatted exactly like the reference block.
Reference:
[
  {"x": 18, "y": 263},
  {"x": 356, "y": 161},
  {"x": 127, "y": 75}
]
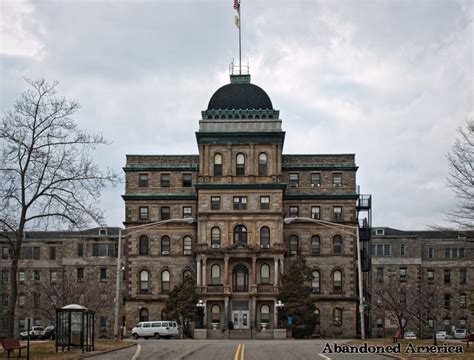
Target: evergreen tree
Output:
[
  {"x": 181, "y": 304},
  {"x": 295, "y": 293}
]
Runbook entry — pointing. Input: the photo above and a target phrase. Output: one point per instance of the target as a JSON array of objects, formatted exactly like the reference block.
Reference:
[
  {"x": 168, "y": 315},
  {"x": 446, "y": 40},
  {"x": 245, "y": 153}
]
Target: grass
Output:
[
  {"x": 47, "y": 350},
  {"x": 467, "y": 355}
]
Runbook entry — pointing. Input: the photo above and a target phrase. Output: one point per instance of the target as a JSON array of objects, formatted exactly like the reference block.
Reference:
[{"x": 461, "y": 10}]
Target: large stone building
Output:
[
  {"x": 423, "y": 259},
  {"x": 61, "y": 267},
  {"x": 238, "y": 190}
]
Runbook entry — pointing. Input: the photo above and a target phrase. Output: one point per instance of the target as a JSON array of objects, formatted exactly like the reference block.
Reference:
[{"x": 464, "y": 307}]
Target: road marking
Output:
[
  {"x": 236, "y": 355},
  {"x": 137, "y": 353},
  {"x": 242, "y": 352},
  {"x": 324, "y": 357}
]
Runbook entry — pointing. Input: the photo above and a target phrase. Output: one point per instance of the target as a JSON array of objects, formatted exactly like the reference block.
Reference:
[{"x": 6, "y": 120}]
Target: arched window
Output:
[
  {"x": 262, "y": 164},
  {"x": 187, "y": 245},
  {"x": 215, "y": 238},
  {"x": 265, "y": 238},
  {"x": 294, "y": 245},
  {"x": 337, "y": 281},
  {"x": 241, "y": 278},
  {"x": 337, "y": 245},
  {"x": 265, "y": 274},
  {"x": 143, "y": 314},
  {"x": 143, "y": 245},
  {"x": 337, "y": 316},
  {"x": 216, "y": 275},
  {"x": 240, "y": 164},
  {"x": 165, "y": 245},
  {"x": 143, "y": 281},
  {"x": 240, "y": 234},
  {"x": 315, "y": 245},
  {"x": 317, "y": 316},
  {"x": 316, "y": 282},
  {"x": 217, "y": 165},
  {"x": 165, "y": 281},
  {"x": 265, "y": 313},
  {"x": 215, "y": 314},
  {"x": 187, "y": 274}
]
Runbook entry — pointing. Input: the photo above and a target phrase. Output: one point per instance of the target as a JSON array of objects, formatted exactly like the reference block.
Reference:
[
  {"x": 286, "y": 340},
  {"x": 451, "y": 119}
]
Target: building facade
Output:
[
  {"x": 59, "y": 268},
  {"x": 238, "y": 190},
  {"x": 422, "y": 259}
]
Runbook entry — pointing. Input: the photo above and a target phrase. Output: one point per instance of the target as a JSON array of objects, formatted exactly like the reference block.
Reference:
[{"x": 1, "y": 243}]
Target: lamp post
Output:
[
  {"x": 279, "y": 305},
  {"x": 342, "y": 228},
  {"x": 119, "y": 260},
  {"x": 200, "y": 306}
]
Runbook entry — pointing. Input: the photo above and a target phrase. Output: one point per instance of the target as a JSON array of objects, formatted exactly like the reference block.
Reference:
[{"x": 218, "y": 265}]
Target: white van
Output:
[{"x": 155, "y": 329}]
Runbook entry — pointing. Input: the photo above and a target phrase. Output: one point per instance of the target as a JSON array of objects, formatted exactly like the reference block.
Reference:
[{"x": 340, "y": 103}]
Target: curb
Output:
[{"x": 104, "y": 351}]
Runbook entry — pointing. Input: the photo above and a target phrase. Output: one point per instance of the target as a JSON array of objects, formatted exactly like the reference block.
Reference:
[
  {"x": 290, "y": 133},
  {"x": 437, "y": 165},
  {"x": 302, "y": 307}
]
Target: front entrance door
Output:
[{"x": 240, "y": 319}]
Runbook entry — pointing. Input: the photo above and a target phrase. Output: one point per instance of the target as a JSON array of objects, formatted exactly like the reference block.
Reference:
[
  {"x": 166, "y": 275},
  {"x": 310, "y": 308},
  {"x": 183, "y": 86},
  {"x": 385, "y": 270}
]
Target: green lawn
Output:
[{"x": 47, "y": 350}]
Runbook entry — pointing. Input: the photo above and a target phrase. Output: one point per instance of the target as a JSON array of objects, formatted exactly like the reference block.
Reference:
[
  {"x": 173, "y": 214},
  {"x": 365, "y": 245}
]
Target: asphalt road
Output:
[{"x": 231, "y": 350}]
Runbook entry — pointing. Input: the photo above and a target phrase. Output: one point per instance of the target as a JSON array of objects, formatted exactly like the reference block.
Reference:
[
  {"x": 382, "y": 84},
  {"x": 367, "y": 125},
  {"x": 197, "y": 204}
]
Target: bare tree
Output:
[
  {"x": 47, "y": 176},
  {"x": 47, "y": 296},
  {"x": 461, "y": 177},
  {"x": 430, "y": 311},
  {"x": 393, "y": 300}
]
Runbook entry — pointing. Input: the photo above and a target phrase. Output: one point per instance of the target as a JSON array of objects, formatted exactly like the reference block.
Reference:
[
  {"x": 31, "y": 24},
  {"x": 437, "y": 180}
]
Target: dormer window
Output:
[{"x": 103, "y": 232}]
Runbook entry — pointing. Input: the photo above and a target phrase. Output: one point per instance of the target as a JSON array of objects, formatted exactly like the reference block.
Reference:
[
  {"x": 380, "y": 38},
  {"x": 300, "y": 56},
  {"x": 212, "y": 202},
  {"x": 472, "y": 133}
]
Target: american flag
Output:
[{"x": 237, "y": 5}]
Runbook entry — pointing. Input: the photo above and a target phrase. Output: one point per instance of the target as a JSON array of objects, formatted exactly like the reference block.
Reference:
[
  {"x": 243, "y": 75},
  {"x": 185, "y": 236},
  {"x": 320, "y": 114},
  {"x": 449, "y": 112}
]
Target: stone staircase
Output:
[{"x": 239, "y": 334}]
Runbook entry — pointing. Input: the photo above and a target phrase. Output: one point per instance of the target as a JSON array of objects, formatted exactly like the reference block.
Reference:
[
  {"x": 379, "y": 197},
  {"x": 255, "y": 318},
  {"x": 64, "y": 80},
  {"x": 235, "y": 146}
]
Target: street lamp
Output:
[
  {"x": 279, "y": 305},
  {"x": 119, "y": 262},
  {"x": 200, "y": 306},
  {"x": 342, "y": 227}
]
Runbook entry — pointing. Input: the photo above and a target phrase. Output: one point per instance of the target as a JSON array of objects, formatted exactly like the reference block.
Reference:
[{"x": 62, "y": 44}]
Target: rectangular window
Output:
[
  {"x": 447, "y": 300},
  {"x": 21, "y": 300},
  {"x": 446, "y": 322},
  {"x": 52, "y": 253},
  {"x": 53, "y": 277},
  {"x": 380, "y": 274},
  {"x": 315, "y": 212},
  {"x": 462, "y": 323},
  {"x": 447, "y": 276},
  {"x": 387, "y": 249},
  {"x": 103, "y": 324},
  {"x": 187, "y": 212},
  {"x": 5, "y": 253},
  {"x": 165, "y": 180},
  {"x": 294, "y": 180},
  {"x": 293, "y": 211},
  {"x": 264, "y": 202},
  {"x": 430, "y": 276},
  {"x": 103, "y": 249},
  {"x": 215, "y": 202},
  {"x": 21, "y": 277},
  {"x": 315, "y": 180},
  {"x": 461, "y": 253},
  {"x": 187, "y": 180},
  {"x": 447, "y": 253},
  {"x": 402, "y": 249},
  {"x": 380, "y": 249},
  {"x": 403, "y": 274},
  {"x": 337, "y": 180},
  {"x": 462, "y": 277},
  {"x": 337, "y": 212},
  {"x": 165, "y": 213},
  {"x": 80, "y": 275},
  {"x": 454, "y": 253},
  {"x": 36, "y": 253},
  {"x": 103, "y": 274},
  {"x": 143, "y": 213},
  {"x": 36, "y": 276},
  {"x": 30, "y": 253},
  {"x": 80, "y": 250},
  {"x": 430, "y": 253},
  {"x": 5, "y": 277},
  {"x": 240, "y": 203},
  {"x": 372, "y": 249},
  {"x": 462, "y": 300},
  {"x": 143, "y": 180},
  {"x": 4, "y": 299}
]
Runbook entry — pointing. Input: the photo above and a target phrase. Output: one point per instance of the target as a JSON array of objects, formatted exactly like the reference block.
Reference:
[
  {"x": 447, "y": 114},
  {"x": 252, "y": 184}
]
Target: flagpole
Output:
[{"x": 240, "y": 40}]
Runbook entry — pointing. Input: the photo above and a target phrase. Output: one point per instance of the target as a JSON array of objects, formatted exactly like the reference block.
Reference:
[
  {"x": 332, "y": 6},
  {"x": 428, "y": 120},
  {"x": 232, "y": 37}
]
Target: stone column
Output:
[
  {"x": 198, "y": 271},
  {"x": 226, "y": 270},
  {"x": 226, "y": 311},
  {"x": 205, "y": 314},
  {"x": 275, "y": 275},
  {"x": 254, "y": 312},
  {"x": 204, "y": 266},
  {"x": 254, "y": 270},
  {"x": 275, "y": 315}
]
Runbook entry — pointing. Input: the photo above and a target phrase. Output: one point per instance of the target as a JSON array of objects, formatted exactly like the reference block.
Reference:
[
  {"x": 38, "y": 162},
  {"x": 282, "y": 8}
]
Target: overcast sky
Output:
[{"x": 390, "y": 81}]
